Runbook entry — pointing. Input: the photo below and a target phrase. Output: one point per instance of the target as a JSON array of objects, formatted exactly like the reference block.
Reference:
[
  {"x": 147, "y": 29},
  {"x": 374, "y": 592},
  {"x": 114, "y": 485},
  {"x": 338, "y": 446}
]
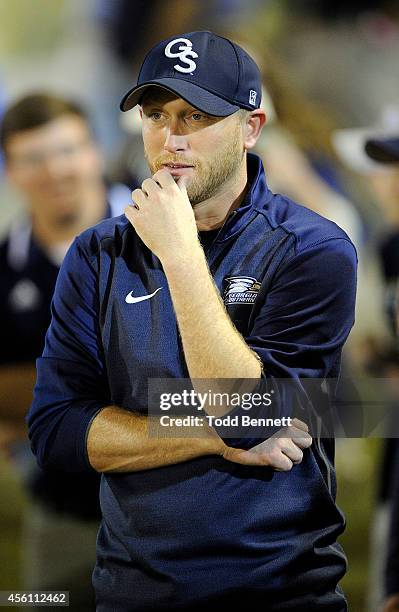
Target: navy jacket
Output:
[{"x": 204, "y": 530}]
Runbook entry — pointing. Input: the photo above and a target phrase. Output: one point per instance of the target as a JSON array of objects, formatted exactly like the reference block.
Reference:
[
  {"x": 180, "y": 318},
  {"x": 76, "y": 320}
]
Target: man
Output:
[
  {"x": 53, "y": 161},
  {"x": 195, "y": 520},
  {"x": 386, "y": 151}
]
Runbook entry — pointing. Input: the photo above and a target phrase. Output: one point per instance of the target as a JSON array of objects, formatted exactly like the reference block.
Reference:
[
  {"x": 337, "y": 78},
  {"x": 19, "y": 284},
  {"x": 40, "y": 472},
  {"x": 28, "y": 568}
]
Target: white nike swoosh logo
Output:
[{"x": 130, "y": 299}]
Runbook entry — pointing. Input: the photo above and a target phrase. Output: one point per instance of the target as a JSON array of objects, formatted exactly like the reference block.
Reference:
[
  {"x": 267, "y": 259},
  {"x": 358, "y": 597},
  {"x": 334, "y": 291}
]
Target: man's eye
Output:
[
  {"x": 155, "y": 116},
  {"x": 197, "y": 116}
]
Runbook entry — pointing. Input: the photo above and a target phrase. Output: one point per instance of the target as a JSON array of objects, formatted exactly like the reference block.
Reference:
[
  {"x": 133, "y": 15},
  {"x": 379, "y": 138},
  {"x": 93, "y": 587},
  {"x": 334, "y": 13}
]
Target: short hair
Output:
[
  {"x": 242, "y": 114},
  {"x": 35, "y": 110}
]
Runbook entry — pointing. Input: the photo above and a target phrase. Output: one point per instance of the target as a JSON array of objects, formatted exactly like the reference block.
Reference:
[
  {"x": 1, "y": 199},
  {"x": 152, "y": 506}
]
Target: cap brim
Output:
[
  {"x": 193, "y": 94},
  {"x": 385, "y": 151}
]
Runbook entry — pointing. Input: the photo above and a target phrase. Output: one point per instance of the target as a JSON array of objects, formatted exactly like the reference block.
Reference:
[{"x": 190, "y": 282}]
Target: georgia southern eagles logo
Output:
[{"x": 240, "y": 290}]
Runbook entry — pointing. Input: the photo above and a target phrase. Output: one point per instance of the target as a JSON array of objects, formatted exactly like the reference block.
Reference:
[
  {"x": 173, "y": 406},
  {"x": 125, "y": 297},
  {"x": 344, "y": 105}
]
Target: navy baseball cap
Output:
[
  {"x": 210, "y": 72},
  {"x": 385, "y": 150}
]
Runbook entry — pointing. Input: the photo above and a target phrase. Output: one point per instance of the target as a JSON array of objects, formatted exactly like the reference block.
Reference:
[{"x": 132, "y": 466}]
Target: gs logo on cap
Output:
[{"x": 184, "y": 53}]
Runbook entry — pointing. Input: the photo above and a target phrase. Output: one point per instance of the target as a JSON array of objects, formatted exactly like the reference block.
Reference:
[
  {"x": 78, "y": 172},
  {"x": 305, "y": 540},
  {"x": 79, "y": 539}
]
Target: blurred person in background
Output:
[
  {"x": 380, "y": 356},
  {"x": 386, "y": 151},
  {"x": 52, "y": 159},
  {"x": 298, "y": 140},
  {"x": 357, "y": 47}
]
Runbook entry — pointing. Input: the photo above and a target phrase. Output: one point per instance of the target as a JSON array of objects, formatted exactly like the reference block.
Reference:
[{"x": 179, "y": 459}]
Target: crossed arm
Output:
[{"x": 119, "y": 441}]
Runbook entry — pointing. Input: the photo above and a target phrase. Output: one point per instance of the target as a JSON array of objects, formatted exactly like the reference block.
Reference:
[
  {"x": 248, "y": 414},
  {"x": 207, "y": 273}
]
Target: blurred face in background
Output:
[
  {"x": 56, "y": 166},
  {"x": 385, "y": 187}
]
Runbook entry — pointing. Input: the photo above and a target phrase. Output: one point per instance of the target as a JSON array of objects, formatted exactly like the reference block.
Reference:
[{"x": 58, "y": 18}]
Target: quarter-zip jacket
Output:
[{"x": 205, "y": 530}]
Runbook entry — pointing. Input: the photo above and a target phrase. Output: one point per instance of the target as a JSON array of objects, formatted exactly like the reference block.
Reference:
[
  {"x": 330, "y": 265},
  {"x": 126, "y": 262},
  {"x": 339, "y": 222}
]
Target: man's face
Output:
[
  {"x": 186, "y": 141},
  {"x": 54, "y": 166}
]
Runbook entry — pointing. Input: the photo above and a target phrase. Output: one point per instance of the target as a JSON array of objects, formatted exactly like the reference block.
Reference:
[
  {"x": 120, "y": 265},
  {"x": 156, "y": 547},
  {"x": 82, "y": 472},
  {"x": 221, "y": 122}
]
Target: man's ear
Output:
[{"x": 254, "y": 123}]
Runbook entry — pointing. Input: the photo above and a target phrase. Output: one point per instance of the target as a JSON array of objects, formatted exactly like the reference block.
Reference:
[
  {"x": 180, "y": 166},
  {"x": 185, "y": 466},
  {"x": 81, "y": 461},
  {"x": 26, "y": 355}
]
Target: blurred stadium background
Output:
[{"x": 327, "y": 65}]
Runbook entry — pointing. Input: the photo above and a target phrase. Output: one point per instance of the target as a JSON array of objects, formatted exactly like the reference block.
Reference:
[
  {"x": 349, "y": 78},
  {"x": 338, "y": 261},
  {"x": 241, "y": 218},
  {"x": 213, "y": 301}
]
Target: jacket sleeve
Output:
[
  {"x": 71, "y": 386},
  {"x": 299, "y": 331},
  {"x": 308, "y": 312}
]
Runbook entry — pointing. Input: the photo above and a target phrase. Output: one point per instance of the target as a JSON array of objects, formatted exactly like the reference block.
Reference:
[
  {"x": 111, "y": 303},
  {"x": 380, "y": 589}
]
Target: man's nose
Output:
[
  {"x": 54, "y": 167},
  {"x": 175, "y": 141}
]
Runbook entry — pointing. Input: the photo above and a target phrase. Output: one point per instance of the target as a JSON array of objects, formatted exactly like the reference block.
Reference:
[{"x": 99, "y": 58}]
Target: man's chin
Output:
[
  {"x": 67, "y": 219},
  {"x": 66, "y": 213}
]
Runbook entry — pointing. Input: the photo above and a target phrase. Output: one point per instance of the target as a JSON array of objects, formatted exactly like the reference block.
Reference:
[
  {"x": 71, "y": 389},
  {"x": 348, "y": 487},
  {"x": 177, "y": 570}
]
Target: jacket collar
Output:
[{"x": 256, "y": 198}]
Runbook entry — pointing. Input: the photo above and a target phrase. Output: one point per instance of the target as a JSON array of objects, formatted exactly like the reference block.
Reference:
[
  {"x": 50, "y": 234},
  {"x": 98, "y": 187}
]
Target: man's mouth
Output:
[
  {"x": 177, "y": 169},
  {"x": 172, "y": 165}
]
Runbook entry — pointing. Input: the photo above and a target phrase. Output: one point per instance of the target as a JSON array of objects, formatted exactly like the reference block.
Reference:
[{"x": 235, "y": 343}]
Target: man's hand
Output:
[
  {"x": 163, "y": 217},
  {"x": 278, "y": 452}
]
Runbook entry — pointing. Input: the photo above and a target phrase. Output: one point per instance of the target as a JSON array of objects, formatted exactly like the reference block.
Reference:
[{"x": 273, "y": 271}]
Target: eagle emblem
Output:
[{"x": 241, "y": 290}]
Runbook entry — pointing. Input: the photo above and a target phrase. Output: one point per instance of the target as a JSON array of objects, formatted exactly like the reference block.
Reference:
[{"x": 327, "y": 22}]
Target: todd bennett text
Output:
[{"x": 243, "y": 420}]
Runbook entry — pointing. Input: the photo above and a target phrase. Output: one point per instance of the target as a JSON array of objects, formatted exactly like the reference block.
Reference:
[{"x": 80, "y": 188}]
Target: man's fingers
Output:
[
  {"x": 182, "y": 183},
  {"x": 274, "y": 459},
  {"x": 243, "y": 457},
  {"x": 130, "y": 213},
  {"x": 299, "y": 437},
  {"x": 303, "y": 442},
  {"x": 292, "y": 451},
  {"x": 138, "y": 198},
  {"x": 281, "y": 461},
  {"x": 163, "y": 178},
  {"x": 299, "y": 424},
  {"x": 148, "y": 186},
  {"x": 280, "y": 452}
]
